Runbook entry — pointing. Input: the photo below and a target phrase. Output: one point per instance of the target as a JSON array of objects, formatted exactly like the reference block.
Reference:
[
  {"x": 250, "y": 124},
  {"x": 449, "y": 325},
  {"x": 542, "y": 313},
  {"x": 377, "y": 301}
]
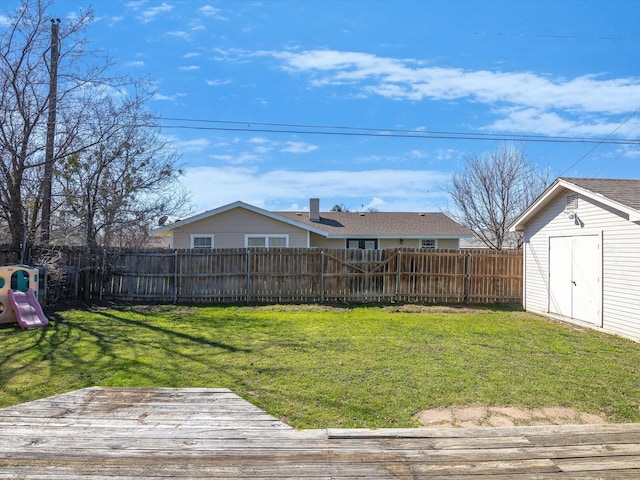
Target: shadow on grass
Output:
[
  {"x": 78, "y": 354},
  {"x": 176, "y": 334}
]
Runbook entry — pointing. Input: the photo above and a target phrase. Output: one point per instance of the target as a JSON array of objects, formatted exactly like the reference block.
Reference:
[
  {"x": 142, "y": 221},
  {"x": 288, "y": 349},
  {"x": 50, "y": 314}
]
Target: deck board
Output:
[{"x": 125, "y": 434}]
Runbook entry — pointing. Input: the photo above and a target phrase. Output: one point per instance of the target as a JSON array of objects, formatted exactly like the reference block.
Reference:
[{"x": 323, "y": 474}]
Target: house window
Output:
[
  {"x": 202, "y": 242},
  {"x": 362, "y": 243},
  {"x": 266, "y": 241},
  {"x": 428, "y": 243}
]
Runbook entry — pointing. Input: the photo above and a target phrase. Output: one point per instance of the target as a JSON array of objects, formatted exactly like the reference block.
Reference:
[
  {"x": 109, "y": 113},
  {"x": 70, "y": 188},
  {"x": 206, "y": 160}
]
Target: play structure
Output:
[{"x": 19, "y": 297}]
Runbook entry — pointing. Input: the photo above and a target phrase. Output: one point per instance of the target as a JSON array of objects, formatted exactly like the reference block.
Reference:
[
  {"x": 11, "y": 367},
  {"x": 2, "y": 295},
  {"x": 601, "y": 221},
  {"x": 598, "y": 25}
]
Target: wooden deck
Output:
[{"x": 119, "y": 433}]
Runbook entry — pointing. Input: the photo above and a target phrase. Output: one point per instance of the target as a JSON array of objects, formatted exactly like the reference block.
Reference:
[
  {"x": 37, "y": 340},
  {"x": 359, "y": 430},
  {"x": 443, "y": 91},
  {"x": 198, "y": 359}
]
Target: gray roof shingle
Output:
[
  {"x": 626, "y": 192},
  {"x": 375, "y": 224}
]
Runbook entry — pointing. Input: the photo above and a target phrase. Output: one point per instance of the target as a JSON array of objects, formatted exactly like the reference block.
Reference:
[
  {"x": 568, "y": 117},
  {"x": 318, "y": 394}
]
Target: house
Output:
[
  {"x": 582, "y": 254},
  {"x": 512, "y": 241},
  {"x": 242, "y": 225}
]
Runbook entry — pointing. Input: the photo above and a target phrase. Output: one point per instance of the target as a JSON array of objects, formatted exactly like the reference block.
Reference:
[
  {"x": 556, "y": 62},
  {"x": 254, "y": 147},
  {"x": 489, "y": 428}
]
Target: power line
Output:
[
  {"x": 604, "y": 140},
  {"x": 341, "y": 130}
]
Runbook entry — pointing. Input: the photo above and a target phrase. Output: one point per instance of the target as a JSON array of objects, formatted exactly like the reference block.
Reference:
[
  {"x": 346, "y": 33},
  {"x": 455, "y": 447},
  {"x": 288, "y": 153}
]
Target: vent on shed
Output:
[{"x": 572, "y": 202}]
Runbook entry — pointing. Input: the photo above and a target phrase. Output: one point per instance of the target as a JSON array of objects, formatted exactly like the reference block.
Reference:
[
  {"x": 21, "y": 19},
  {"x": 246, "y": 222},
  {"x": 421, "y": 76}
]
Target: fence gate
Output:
[{"x": 359, "y": 275}]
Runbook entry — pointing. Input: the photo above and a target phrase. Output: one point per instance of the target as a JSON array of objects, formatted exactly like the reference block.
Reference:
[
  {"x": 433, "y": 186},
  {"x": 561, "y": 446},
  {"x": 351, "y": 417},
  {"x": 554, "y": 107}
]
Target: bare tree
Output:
[
  {"x": 88, "y": 98},
  {"x": 492, "y": 189},
  {"x": 113, "y": 192},
  {"x": 24, "y": 108}
]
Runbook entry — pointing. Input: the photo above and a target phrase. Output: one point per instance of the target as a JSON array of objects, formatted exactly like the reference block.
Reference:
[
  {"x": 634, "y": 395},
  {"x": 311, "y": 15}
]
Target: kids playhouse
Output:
[{"x": 18, "y": 297}]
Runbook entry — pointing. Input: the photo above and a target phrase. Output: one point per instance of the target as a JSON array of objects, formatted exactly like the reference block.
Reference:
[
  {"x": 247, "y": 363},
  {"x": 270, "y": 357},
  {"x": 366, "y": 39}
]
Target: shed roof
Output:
[
  {"x": 620, "y": 194},
  {"x": 625, "y": 192}
]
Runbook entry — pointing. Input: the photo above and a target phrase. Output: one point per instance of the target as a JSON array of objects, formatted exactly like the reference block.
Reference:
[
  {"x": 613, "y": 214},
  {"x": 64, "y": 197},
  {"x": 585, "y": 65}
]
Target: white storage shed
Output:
[{"x": 582, "y": 254}]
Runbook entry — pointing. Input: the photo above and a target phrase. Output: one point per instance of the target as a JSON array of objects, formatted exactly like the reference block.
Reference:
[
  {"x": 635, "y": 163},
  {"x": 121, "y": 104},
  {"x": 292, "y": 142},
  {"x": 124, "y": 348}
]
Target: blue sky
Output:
[{"x": 374, "y": 103}]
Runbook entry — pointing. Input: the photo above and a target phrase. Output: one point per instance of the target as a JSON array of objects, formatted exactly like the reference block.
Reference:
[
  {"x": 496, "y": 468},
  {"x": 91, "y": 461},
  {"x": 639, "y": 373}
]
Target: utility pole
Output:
[{"x": 47, "y": 182}]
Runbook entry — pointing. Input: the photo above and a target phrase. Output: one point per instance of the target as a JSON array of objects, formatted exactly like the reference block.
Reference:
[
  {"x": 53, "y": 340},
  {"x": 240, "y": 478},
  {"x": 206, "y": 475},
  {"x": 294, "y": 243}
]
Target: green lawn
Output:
[{"x": 318, "y": 367}]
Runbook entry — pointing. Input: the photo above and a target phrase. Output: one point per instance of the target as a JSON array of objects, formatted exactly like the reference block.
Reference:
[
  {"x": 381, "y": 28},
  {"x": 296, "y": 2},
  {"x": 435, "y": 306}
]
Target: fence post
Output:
[
  {"x": 248, "y": 282},
  {"x": 399, "y": 255},
  {"x": 322, "y": 276},
  {"x": 175, "y": 277},
  {"x": 104, "y": 256},
  {"x": 467, "y": 277}
]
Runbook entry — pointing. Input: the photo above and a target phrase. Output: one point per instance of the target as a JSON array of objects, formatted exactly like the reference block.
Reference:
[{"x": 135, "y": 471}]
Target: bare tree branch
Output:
[{"x": 492, "y": 190}]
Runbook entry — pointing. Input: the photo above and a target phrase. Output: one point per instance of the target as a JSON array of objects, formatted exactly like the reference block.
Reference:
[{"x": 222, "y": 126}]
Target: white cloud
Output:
[
  {"x": 163, "y": 98},
  {"x": 384, "y": 189},
  {"x": 262, "y": 150},
  {"x": 180, "y": 34},
  {"x": 217, "y": 83},
  {"x": 298, "y": 147},
  {"x": 210, "y": 11},
  {"x": 445, "y": 154},
  {"x": 188, "y": 68},
  {"x": 150, "y": 13},
  {"x": 376, "y": 203},
  {"x": 135, "y": 4},
  {"x": 241, "y": 158},
  {"x": 574, "y": 106},
  {"x": 136, "y": 63},
  {"x": 394, "y": 158},
  {"x": 533, "y": 120},
  {"x": 405, "y": 79},
  {"x": 171, "y": 98},
  {"x": 259, "y": 149},
  {"x": 629, "y": 151},
  {"x": 195, "y": 145},
  {"x": 416, "y": 154}
]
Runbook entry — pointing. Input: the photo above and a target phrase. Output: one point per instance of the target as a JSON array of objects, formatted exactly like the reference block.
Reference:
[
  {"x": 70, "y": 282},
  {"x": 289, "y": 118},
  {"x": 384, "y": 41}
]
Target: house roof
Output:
[
  {"x": 165, "y": 229},
  {"x": 348, "y": 224},
  {"x": 383, "y": 224},
  {"x": 620, "y": 194}
]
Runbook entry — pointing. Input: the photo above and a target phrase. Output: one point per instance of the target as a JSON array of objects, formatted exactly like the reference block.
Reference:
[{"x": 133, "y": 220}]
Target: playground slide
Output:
[{"x": 27, "y": 309}]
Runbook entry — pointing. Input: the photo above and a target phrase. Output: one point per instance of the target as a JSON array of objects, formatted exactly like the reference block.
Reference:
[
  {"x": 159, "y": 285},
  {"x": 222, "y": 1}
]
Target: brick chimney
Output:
[{"x": 314, "y": 209}]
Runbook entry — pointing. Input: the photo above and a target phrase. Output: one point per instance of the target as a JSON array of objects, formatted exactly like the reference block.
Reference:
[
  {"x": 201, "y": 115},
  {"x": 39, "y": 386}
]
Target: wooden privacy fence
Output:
[{"x": 304, "y": 275}]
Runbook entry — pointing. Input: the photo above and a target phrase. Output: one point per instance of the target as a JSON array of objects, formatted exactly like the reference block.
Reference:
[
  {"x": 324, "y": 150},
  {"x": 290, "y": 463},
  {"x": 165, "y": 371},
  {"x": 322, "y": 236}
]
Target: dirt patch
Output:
[
  {"x": 480, "y": 416},
  {"x": 177, "y": 310},
  {"x": 408, "y": 308},
  {"x": 412, "y": 308},
  {"x": 294, "y": 308}
]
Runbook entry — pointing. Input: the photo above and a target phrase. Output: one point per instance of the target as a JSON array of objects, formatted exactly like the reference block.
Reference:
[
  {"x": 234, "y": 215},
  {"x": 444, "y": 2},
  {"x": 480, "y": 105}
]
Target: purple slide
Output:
[{"x": 27, "y": 309}]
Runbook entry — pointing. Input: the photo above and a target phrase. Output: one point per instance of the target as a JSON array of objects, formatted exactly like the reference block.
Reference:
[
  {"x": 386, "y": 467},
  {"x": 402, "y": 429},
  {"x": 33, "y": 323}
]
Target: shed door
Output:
[
  {"x": 575, "y": 266},
  {"x": 560, "y": 276}
]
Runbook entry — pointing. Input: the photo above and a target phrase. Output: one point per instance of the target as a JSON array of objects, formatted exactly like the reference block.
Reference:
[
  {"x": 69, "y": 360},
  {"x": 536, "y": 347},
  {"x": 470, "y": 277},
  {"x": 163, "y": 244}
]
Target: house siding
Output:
[
  {"x": 448, "y": 243},
  {"x": 452, "y": 243},
  {"x": 323, "y": 242},
  {"x": 621, "y": 290},
  {"x": 230, "y": 228},
  {"x": 620, "y": 248}
]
